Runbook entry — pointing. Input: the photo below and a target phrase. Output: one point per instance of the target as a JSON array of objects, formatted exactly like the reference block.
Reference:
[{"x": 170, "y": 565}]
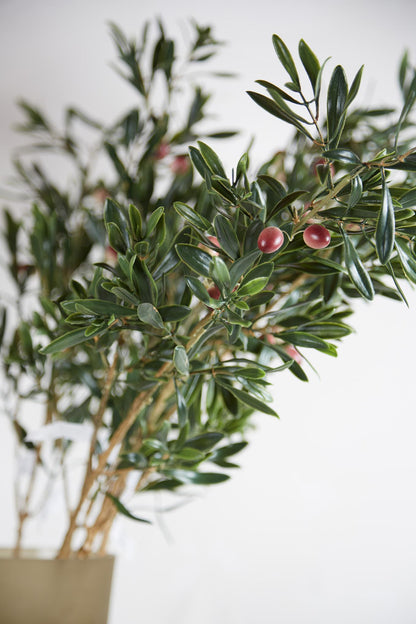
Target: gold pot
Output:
[{"x": 39, "y": 590}]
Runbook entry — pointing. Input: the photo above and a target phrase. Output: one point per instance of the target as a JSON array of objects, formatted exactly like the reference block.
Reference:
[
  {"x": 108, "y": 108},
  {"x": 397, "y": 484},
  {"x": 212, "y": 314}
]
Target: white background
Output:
[{"x": 319, "y": 525}]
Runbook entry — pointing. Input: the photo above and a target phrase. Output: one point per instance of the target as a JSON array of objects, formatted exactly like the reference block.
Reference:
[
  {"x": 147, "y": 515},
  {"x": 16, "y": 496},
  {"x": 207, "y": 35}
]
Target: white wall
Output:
[{"x": 318, "y": 526}]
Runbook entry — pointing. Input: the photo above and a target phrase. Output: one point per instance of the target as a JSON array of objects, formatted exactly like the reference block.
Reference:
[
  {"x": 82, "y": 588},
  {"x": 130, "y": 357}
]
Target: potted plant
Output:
[{"x": 155, "y": 301}]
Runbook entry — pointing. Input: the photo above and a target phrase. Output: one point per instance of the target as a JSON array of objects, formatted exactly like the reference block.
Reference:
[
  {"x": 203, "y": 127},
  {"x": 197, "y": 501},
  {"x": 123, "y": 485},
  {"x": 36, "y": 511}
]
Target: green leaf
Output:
[
  {"x": 154, "y": 219},
  {"x": 342, "y": 155},
  {"x": 309, "y": 61},
  {"x": 385, "y": 227},
  {"x": 408, "y": 105},
  {"x": 286, "y": 59},
  {"x": 148, "y": 314},
  {"x": 173, "y": 313},
  {"x": 242, "y": 166},
  {"x": 135, "y": 219},
  {"x": 240, "y": 266},
  {"x": 272, "y": 88},
  {"x": 98, "y": 307},
  {"x": 212, "y": 160},
  {"x": 227, "y": 238},
  {"x": 236, "y": 319},
  {"x": 189, "y": 455},
  {"x": 122, "y": 509},
  {"x": 181, "y": 407},
  {"x": 197, "y": 478},
  {"x": 219, "y": 273},
  {"x": 277, "y": 187},
  {"x": 70, "y": 339},
  {"x": 407, "y": 259},
  {"x": 246, "y": 398},
  {"x": 198, "y": 289},
  {"x": 356, "y": 270},
  {"x": 355, "y": 86},
  {"x": 308, "y": 340},
  {"x": 256, "y": 279},
  {"x": 204, "y": 441},
  {"x": 336, "y": 104},
  {"x": 199, "y": 163},
  {"x": 328, "y": 330},
  {"x": 408, "y": 200},
  {"x": 3, "y": 320},
  {"x": 180, "y": 360},
  {"x": 356, "y": 191},
  {"x": 195, "y": 258},
  {"x": 283, "y": 203},
  {"x": 116, "y": 239},
  {"x": 273, "y": 108},
  {"x": 192, "y": 217}
]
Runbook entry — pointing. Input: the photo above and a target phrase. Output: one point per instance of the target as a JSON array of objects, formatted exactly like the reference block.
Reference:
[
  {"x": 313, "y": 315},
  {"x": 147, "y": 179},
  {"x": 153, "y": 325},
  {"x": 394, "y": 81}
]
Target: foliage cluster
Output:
[{"x": 144, "y": 305}]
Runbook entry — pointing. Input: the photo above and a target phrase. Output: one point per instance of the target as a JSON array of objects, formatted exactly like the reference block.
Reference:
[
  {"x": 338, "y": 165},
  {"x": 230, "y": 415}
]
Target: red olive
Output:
[
  {"x": 214, "y": 292},
  {"x": 270, "y": 239},
  {"x": 316, "y": 236}
]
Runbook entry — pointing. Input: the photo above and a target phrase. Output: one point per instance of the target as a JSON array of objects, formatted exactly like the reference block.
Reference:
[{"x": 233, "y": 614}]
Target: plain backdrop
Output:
[{"x": 319, "y": 524}]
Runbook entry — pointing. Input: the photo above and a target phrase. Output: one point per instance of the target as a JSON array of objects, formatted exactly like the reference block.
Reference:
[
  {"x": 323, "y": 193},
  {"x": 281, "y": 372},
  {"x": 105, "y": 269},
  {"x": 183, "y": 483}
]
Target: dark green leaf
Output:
[
  {"x": 198, "y": 289},
  {"x": 192, "y": 217},
  {"x": 286, "y": 59},
  {"x": 355, "y": 86},
  {"x": 309, "y": 61},
  {"x": 356, "y": 270},
  {"x": 283, "y": 203},
  {"x": 196, "y": 259},
  {"x": 356, "y": 191},
  {"x": 198, "y": 478},
  {"x": 70, "y": 339},
  {"x": 407, "y": 259},
  {"x": 120, "y": 507},
  {"x": 241, "y": 266},
  {"x": 246, "y": 398},
  {"x": 212, "y": 160},
  {"x": 385, "y": 227},
  {"x": 273, "y": 108},
  {"x": 227, "y": 238},
  {"x": 337, "y": 101},
  {"x": 135, "y": 222},
  {"x": 342, "y": 155},
  {"x": 154, "y": 220},
  {"x": 204, "y": 441},
  {"x": 173, "y": 313},
  {"x": 307, "y": 340},
  {"x": 273, "y": 88},
  {"x": 148, "y": 314},
  {"x": 98, "y": 307},
  {"x": 116, "y": 239}
]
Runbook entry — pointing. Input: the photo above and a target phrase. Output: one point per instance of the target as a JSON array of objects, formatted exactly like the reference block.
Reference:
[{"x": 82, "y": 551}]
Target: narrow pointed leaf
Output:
[
  {"x": 285, "y": 58},
  {"x": 385, "y": 227},
  {"x": 356, "y": 270},
  {"x": 212, "y": 160},
  {"x": 309, "y": 61},
  {"x": 123, "y": 510},
  {"x": 337, "y": 100},
  {"x": 195, "y": 258},
  {"x": 191, "y": 216},
  {"x": 227, "y": 238}
]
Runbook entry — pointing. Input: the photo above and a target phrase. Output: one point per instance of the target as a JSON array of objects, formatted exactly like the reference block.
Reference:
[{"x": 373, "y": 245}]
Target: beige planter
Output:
[{"x": 46, "y": 591}]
